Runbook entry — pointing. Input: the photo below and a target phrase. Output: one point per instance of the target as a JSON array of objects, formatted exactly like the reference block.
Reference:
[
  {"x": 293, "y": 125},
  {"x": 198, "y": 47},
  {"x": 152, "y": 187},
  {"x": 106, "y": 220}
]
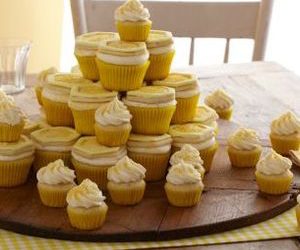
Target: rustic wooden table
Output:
[{"x": 261, "y": 91}]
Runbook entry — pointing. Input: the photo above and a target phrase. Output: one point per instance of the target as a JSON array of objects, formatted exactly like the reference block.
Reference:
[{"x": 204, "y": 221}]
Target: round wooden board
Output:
[{"x": 230, "y": 201}]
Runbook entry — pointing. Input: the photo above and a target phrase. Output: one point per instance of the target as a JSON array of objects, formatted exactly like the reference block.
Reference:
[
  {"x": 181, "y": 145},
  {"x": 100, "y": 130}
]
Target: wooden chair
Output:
[{"x": 187, "y": 19}]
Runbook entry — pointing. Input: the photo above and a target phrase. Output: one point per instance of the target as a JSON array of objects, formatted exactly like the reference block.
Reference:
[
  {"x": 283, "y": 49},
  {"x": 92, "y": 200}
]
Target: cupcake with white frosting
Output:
[
  {"x": 285, "y": 133},
  {"x": 273, "y": 175},
  {"x": 112, "y": 125},
  {"x": 184, "y": 185},
  {"x": 152, "y": 152},
  {"x": 207, "y": 116},
  {"x": 54, "y": 182},
  {"x": 221, "y": 102},
  {"x": 126, "y": 183},
  {"x": 86, "y": 207},
  {"x": 244, "y": 148},
  {"x": 190, "y": 155},
  {"x": 133, "y": 21}
]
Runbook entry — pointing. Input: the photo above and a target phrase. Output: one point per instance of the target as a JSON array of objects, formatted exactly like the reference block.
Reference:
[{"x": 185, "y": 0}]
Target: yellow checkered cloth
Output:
[{"x": 282, "y": 226}]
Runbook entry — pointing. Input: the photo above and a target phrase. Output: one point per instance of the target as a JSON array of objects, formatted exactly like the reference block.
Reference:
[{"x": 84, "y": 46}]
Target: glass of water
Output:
[{"x": 13, "y": 62}]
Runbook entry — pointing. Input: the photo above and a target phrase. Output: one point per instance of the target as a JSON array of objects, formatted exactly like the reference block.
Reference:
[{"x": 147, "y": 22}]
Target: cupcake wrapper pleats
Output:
[{"x": 88, "y": 67}]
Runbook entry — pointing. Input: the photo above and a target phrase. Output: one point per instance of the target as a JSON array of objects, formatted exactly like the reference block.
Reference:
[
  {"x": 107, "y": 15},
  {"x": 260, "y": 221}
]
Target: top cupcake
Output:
[
  {"x": 132, "y": 11},
  {"x": 10, "y": 113},
  {"x": 286, "y": 124},
  {"x": 159, "y": 42}
]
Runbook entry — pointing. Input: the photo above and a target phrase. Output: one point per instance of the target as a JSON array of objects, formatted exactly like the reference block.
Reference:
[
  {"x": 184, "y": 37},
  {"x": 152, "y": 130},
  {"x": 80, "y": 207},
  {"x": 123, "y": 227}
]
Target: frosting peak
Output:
[
  {"x": 219, "y": 100},
  {"x": 286, "y": 124},
  {"x": 244, "y": 139},
  {"x": 9, "y": 112},
  {"x": 132, "y": 10}
]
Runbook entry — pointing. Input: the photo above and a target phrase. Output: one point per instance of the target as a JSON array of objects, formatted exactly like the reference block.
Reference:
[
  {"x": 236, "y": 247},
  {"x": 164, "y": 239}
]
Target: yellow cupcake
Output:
[
  {"x": 84, "y": 100},
  {"x": 15, "y": 161},
  {"x": 126, "y": 183},
  {"x": 297, "y": 210},
  {"x": 152, "y": 152},
  {"x": 285, "y": 133},
  {"x": 132, "y": 21},
  {"x": 86, "y": 207},
  {"x": 55, "y": 97},
  {"x": 184, "y": 185},
  {"x": 197, "y": 135},
  {"x": 152, "y": 108},
  {"x": 244, "y": 148},
  {"x": 54, "y": 182},
  {"x": 207, "y": 116},
  {"x": 273, "y": 175},
  {"x": 160, "y": 47},
  {"x": 221, "y": 102},
  {"x": 53, "y": 143},
  {"x": 187, "y": 95},
  {"x": 91, "y": 160},
  {"x": 86, "y": 46}
]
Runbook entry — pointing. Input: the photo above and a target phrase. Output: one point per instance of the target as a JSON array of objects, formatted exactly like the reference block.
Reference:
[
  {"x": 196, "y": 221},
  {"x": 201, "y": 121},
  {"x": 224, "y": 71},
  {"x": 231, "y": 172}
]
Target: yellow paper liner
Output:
[
  {"x": 225, "y": 114},
  {"x": 88, "y": 67},
  {"x": 283, "y": 144},
  {"x": 244, "y": 158},
  {"x": 134, "y": 31},
  {"x": 11, "y": 133},
  {"x": 84, "y": 121},
  {"x": 38, "y": 93}
]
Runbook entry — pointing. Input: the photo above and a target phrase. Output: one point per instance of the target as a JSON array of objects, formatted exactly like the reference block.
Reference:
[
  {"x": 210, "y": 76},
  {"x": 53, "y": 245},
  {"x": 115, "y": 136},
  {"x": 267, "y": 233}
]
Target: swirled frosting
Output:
[
  {"x": 56, "y": 173},
  {"x": 219, "y": 100},
  {"x": 114, "y": 113},
  {"x": 183, "y": 173},
  {"x": 125, "y": 171},
  {"x": 286, "y": 124},
  {"x": 86, "y": 195},
  {"x": 273, "y": 164},
  {"x": 205, "y": 115},
  {"x": 244, "y": 139},
  {"x": 188, "y": 154},
  {"x": 9, "y": 112},
  {"x": 133, "y": 11}
]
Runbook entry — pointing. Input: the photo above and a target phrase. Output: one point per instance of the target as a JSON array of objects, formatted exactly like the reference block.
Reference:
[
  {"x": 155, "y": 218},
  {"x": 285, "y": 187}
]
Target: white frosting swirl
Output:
[
  {"x": 86, "y": 195},
  {"x": 125, "y": 171},
  {"x": 9, "y": 112},
  {"x": 286, "y": 124},
  {"x": 244, "y": 139},
  {"x": 219, "y": 100},
  {"x": 133, "y": 11}
]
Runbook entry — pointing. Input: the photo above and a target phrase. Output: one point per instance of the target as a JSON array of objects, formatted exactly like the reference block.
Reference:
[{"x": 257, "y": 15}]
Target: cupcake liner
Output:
[
  {"x": 87, "y": 218},
  {"x": 186, "y": 195},
  {"x": 112, "y": 136},
  {"x": 244, "y": 158},
  {"x": 297, "y": 211},
  {"x": 272, "y": 184},
  {"x": 225, "y": 114},
  {"x": 159, "y": 67},
  {"x": 97, "y": 174},
  {"x": 43, "y": 158},
  {"x": 155, "y": 164},
  {"x": 134, "y": 31},
  {"x": 151, "y": 121},
  {"x": 283, "y": 144},
  {"x": 57, "y": 114},
  {"x": 121, "y": 77},
  {"x": 38, "y": 93},
  {"x": 88, "y": 67},
  {"x": 11, "y": 133},
  {"x": 185, "y": 109},
  {"x": 84, "y": 121},
  {"x": 14, "y": 173},
  {"x": 54, "y": 195},
  {"x": 126, "y": 193}
]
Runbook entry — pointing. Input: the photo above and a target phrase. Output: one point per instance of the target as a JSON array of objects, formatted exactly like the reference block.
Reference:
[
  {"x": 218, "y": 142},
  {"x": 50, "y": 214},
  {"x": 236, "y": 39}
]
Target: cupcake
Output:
[
  {"x": 86, "y": 46},
  {"x": 295, "y": 157},
  {"x": 285, "y": 133},
  {"x": 83, "y": 102},
  {"x": 53, "y": 143},
  {"x": 197, "y": 135},
  {"x": 122, "y": 65},
  {"x": 206, "y": 116},
  {"x": 152, "y": 152},
  {"x": 42, "y": 80},
  {"x": 244, "y": 148},
  {"x": 86, "y": 207},
  {"x": 187, "y": 95},
  {"x": 273, "y": 175},
  {"x": 91, "y": 159},
  {"x": 126, "y": 184},
  {"x": 11, "y": 119},
  {"x": 297, "y": 210},
  {"x": 132, "y": 21},
  {"x": 221, "y": 102},
  {"x": 15, "y": 161},
  {"x": 55, "y": 97},
  {"x": 184, "y": 185},
  {"x": 152, "y": 108},
  {"x": 112, "y": 125},
  {"x": 190, "y": 155},
  {"x": 54, "y": 182},
  {"x": 160, "y": 47}
]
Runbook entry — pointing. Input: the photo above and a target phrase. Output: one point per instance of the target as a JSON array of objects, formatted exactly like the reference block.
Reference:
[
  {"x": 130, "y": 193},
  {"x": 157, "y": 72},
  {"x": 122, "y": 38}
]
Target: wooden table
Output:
[{"x": 261, "y": 92}]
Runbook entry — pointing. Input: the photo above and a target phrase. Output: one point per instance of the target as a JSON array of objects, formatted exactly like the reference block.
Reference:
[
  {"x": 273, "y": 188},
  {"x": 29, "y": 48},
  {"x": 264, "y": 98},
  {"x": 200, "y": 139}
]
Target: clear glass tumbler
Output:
[{"x": 13, "y": 62}]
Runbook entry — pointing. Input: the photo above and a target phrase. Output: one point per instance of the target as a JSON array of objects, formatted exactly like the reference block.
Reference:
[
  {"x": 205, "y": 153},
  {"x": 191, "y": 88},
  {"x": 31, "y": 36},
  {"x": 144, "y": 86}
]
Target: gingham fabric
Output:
[{"x": 282, "y": 226}]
